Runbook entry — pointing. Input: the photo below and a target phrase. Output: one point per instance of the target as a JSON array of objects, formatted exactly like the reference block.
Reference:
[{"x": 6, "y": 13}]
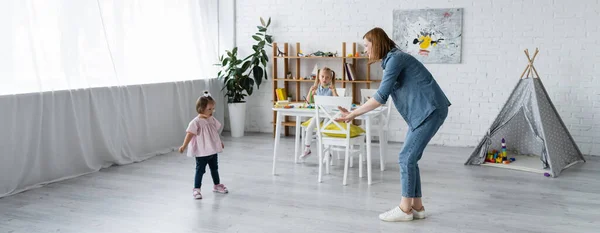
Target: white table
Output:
[{"x": 306, "y": 112}]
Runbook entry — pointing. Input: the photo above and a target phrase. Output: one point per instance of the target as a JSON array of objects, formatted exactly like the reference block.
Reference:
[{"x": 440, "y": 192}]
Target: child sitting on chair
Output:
[{"x": 324, "y": 86}]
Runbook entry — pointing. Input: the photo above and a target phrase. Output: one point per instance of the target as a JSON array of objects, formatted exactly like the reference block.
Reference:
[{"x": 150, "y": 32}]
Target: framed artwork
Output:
[{"x": 430, "y": 35}]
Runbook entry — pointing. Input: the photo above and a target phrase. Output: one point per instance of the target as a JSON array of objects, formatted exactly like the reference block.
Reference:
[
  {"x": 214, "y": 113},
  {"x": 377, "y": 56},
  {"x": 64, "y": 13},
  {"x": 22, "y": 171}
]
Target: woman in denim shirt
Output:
[{"x": 422, "y": 104}]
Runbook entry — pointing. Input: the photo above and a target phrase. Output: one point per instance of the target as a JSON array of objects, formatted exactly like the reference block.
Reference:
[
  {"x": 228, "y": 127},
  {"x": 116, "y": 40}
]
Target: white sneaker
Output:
[
  {"x": 396, "y": 215},
  {"x": 419, "y": 214}
]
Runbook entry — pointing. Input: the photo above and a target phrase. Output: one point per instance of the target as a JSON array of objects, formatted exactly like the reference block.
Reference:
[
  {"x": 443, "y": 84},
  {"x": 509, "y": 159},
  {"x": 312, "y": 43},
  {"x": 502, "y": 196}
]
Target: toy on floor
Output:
[
  {"x": 504, "y": 150},
  {"x": 495, "y": 156},
  {"x": 546, "y": 174}
]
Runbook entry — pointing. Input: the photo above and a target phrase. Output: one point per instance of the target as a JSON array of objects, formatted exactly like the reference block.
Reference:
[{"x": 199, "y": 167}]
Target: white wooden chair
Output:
[
  {"x": 326, "y": 109},
  {"x": 366, "y": 94},
  {"x": 341, "y": 93}
]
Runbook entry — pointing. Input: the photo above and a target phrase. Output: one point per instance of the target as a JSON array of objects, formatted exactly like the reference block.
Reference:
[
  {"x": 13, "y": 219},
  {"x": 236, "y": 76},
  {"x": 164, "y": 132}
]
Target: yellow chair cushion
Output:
[{"x": 354, "y": 130}]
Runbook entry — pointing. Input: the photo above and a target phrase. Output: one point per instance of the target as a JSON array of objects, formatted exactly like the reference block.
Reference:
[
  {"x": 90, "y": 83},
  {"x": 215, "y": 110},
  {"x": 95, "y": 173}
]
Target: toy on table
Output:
[{"x": 282, "y": 104}]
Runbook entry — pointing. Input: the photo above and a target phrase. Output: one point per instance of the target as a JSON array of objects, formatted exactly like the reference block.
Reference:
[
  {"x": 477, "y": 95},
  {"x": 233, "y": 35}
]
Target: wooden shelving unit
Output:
[{"x": 297, "y": 80}]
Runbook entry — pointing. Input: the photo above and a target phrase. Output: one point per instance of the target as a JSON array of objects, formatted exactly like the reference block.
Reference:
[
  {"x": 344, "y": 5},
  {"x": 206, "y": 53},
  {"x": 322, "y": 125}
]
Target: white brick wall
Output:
[{"x": 495, "y": 33}]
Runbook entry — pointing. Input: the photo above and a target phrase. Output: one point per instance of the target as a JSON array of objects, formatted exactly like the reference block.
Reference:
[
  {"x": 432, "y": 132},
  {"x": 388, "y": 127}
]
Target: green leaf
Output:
[
  {"x": 259, "y": 34},
  {"x": 251, "y": 81},
  {"x": 257, "y": 71},
  {"x": 268, "y": 22},
  {"x": 225, "y": 61},
  {"x": 263, "y": 61},
  {"x": 234, "y": 50},
  {"x": 247, "y": 86},
  {"x": 256, "y": 38},
  {"x": 262, "y": 21},
  {"x": 245, "y": 65},
  {"x": 265, "y": 55},
  {"x": 262, "y": 30},
  {"x": 261, "y": 44},
  {"x": 269, "y": 39},
  {"x": 265, "y": 74}
]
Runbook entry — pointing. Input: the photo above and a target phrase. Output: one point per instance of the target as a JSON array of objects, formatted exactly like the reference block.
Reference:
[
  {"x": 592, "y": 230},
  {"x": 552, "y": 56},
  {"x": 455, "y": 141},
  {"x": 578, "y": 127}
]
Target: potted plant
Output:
[{"x": 240, "y": 76}]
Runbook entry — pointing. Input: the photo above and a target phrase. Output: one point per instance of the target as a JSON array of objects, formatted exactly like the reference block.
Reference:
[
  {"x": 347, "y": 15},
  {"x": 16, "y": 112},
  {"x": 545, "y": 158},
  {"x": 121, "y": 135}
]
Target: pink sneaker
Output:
[
  {"x": 220, "y": 188},
  {"x": 197, "y": 194},
  {"x": 307, "y": 153}
]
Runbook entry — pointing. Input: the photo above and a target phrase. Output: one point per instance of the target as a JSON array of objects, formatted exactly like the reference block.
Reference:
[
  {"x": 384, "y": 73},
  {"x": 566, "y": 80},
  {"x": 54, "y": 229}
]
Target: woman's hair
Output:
[
  {"x": 203, "y": 101},
  {"x": 331, "y": 73},
  {"x": 381, "y": 43}
]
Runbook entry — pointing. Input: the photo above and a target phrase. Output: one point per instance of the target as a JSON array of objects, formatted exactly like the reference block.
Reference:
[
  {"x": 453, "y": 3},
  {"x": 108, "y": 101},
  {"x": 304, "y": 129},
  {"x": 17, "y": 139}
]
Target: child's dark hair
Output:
[{"x": 203, "y": 101}]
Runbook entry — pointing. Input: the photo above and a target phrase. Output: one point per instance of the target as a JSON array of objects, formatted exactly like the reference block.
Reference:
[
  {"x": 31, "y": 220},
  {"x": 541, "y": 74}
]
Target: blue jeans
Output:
[
  {"x": 412, "y": 150},
  {"x": 213, "y": 164}
]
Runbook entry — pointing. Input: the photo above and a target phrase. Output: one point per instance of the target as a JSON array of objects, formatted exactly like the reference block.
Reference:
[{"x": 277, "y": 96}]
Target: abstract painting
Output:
[{"x": 430, "y": 35}]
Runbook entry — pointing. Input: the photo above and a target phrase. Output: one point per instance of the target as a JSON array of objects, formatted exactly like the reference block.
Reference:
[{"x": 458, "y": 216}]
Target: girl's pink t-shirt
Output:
[{"x": 206, "y": 141}]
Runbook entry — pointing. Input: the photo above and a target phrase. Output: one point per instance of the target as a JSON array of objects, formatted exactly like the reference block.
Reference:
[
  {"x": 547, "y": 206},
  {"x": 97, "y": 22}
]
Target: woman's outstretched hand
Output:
[{"x": 345, "y": 115}]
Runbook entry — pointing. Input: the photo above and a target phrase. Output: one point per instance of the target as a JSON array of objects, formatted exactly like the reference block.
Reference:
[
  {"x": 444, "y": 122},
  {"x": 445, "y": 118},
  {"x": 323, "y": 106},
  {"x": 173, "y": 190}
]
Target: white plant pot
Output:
[{"x": 237, "y": 118}]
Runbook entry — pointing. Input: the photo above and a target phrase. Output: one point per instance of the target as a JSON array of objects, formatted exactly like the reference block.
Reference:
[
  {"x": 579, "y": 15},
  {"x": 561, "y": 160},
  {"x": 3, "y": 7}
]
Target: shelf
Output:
[
  {"x": 317, "y": 57},
  {"x": 312, "y": 80},
  {"x": 358, "y": 81},
  {"x": 294, "y": 80}
]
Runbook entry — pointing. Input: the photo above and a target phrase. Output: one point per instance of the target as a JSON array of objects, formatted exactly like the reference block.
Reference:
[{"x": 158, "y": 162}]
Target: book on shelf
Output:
[
  {"x": 281, "y": 94},
  {"x": 350, "y": 72}
]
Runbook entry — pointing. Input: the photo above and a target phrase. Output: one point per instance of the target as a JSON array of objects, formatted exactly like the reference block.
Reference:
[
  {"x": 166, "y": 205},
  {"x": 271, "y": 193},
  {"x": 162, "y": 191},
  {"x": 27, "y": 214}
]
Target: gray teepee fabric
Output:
[{"x": 531, "y": 125}]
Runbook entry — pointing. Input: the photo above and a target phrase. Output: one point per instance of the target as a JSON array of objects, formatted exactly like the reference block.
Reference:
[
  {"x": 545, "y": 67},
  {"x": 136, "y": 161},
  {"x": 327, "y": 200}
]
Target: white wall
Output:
[{"x": 494, "y": 37}]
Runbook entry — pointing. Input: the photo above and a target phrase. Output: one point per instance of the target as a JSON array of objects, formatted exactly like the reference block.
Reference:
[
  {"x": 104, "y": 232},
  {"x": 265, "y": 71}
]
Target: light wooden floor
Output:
[{"x": 155, "y": 196}]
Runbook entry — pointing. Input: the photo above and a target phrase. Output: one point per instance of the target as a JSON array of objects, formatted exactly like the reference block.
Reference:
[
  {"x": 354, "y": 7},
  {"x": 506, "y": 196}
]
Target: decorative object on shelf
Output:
[
  {"x": 288, "y": 75},
  {"x": 280, "y": 54},
  {"x": 240, "y": 75},
  {"x": 318, "y": 53},
  {"x": 430, "y": 35},
  {"x": 300, "y": 54}
]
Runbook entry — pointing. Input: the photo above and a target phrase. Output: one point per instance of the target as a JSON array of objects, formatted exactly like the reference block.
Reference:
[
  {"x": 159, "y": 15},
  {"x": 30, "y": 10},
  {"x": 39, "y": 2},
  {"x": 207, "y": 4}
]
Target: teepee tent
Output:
[{"x": 534, "y": 132}]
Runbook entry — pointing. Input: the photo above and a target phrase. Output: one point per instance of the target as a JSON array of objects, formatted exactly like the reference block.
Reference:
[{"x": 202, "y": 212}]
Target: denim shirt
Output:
[{"x": 414, "y": 91}]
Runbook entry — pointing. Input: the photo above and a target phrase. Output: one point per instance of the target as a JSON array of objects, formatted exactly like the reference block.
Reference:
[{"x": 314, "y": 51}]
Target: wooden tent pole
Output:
[
  {"x": 532, "y": 60},
  {"x": 526, "y": 68}
]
